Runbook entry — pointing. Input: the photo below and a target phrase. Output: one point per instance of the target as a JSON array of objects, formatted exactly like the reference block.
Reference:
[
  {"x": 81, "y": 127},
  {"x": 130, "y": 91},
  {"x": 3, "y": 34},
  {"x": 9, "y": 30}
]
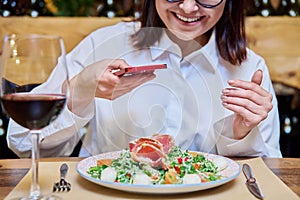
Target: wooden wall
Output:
[
  {"x": 72, "y": 29},
  {"x": 277, "y": 39}
]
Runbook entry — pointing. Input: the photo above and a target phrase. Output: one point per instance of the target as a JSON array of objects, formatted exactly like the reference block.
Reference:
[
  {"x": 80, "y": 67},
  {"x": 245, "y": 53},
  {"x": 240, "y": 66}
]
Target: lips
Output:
[{"x": 187, "y": 19}]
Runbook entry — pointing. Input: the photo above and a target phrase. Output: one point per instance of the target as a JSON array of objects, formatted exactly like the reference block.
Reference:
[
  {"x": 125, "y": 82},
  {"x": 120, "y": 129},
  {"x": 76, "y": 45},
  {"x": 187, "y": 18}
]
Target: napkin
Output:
[{"x": 271, "y": 185}]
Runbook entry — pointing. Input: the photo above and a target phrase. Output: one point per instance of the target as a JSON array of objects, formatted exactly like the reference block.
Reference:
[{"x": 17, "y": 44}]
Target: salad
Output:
[{"x": 179, "y": 167}]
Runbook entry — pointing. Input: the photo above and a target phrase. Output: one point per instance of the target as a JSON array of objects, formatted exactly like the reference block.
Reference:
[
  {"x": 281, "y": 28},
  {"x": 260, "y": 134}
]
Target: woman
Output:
[{"x": 215, "y": 96}]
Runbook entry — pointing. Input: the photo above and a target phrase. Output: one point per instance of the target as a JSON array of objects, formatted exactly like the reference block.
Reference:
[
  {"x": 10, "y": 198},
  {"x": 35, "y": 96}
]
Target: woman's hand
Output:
[
  {"x": 250, "y": 102},
  {"x": 111, "y": 86},
  {"x": 97, "y": 80}
]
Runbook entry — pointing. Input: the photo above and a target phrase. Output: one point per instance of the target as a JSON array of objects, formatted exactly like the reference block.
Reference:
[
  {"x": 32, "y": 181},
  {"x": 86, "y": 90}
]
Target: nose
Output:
[{"x": 189, "y": 6}]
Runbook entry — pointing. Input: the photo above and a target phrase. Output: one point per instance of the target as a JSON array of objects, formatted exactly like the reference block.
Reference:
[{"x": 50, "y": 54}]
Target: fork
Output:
[{"x": 62, "y": 185}]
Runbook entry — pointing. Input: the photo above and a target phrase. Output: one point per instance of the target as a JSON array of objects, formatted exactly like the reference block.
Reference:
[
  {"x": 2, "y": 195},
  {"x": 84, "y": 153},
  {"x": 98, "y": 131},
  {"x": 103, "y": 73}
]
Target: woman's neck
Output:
[{"x": 189, "y": 46}]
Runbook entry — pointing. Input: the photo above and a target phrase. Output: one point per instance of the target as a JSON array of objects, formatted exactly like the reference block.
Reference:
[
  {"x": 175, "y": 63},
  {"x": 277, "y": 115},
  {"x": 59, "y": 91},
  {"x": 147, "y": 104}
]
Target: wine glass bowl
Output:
[
  {"x": 34, "y": 62},
  {"x": 28, "y": 61},
  {"x": 33, "y": 111}
]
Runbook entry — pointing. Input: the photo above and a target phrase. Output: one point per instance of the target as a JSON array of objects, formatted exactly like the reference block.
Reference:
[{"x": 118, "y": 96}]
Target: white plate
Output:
[{"x": 232, "y": 170}]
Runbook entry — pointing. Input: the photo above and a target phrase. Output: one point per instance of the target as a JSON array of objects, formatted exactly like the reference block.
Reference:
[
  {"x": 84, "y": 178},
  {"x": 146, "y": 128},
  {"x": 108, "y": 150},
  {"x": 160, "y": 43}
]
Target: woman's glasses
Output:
[{"x": 203, "y": 3}]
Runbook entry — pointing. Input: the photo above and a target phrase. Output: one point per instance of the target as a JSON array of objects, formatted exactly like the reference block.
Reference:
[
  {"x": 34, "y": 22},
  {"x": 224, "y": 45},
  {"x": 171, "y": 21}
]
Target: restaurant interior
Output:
[{"x": 272, "y": 30}]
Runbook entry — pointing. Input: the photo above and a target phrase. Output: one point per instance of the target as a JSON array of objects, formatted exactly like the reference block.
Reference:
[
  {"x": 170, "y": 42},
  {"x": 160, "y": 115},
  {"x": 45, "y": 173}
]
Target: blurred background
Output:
[
  {"x": 121, "y": 8},
  {"x": 273, "y": 30}
]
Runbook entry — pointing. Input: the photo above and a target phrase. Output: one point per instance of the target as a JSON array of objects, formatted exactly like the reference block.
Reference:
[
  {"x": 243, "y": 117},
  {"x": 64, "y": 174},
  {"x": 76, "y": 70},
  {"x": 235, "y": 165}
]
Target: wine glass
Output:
[{"x": 27, "y": 62}]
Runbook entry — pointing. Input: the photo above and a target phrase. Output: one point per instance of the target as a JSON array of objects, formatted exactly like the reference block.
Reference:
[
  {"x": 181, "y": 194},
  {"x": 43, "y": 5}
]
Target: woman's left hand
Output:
[{"x": 250, "y": 102}]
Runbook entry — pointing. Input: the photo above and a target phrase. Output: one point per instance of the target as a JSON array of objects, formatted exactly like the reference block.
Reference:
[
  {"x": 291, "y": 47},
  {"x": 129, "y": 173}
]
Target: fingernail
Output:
[
  {"x": 224, "y": 104},
  {"x": 223, "y": 97},
  {"x": 231, "y": 81},
  {"x": 225, "y": 91}
]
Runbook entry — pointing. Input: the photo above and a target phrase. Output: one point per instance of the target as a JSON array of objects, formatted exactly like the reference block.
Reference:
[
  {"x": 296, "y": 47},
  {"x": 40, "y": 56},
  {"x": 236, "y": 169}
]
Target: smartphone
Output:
[{"x": 131, "y": 70}]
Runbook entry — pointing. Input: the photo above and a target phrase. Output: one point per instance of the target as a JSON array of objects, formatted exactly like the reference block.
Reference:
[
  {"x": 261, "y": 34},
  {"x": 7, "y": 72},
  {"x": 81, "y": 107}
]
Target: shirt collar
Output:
[
  {"x": 164, "y": 45},
  {"x": 208, "y": 52}
]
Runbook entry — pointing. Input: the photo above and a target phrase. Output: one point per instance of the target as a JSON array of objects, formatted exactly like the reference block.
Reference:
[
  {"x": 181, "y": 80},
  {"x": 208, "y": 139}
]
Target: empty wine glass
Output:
[{"x": 28, "y": 60}]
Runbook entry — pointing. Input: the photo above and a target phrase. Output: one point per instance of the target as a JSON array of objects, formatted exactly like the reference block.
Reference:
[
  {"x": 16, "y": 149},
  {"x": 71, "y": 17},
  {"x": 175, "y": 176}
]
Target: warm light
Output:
[
  {"x": 18, "y": 61},
  {"x": 12, "y": 42},
  {"x": 14, "y": 52}
]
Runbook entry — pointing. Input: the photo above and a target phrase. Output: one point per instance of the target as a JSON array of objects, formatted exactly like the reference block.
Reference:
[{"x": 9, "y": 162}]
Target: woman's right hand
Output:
[
  {"x": 97, "y": 80},
  {"x": 111, "y": 86}
]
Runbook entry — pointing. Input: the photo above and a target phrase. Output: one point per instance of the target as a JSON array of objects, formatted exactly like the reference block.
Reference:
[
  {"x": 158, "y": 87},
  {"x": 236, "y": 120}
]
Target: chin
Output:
[{"x": 183, "y": 35}]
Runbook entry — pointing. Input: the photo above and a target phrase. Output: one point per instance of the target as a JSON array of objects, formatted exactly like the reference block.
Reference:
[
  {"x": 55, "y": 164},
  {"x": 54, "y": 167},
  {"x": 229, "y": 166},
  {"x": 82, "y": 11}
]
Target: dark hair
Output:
[{"x": 230, "y": 30}]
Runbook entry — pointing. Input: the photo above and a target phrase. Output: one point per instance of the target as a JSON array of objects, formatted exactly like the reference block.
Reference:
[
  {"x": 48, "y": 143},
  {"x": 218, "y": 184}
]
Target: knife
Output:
[{"x": 251, "y": 182}]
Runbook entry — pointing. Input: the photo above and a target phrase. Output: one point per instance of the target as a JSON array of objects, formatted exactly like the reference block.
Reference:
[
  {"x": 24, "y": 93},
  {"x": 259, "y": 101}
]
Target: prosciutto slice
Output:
[
  {"x": 151, "y": 150},
  {"x": 166, "y": 140}
]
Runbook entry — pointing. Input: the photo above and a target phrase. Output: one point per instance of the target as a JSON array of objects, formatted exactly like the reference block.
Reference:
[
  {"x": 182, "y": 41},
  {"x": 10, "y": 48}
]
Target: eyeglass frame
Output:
[{"x": 201, "y": 4}]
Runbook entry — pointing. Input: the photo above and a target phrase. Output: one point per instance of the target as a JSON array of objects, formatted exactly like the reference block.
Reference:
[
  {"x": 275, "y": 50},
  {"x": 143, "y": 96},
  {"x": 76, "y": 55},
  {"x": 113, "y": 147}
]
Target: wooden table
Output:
[{"x": 13, "y": 170}]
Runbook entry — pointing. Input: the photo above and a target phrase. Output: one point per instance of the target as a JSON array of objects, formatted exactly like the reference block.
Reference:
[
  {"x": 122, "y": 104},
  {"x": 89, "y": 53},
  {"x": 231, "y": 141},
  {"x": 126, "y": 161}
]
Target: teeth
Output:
[{"x": 185, "y": 19}]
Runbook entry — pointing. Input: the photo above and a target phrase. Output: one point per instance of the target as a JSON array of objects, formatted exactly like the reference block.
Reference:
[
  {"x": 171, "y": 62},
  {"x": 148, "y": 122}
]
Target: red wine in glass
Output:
[
  {"x": 33, "y": 111},
  {"x": 27, "y": 62}
]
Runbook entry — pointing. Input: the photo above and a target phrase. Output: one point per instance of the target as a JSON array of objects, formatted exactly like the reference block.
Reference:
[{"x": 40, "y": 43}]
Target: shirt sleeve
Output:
[{"x": 262, "y": 140}]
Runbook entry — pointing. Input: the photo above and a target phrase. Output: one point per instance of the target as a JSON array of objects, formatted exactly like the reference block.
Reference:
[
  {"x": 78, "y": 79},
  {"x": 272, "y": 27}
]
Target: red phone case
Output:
[{"x": 139, "y": 69}]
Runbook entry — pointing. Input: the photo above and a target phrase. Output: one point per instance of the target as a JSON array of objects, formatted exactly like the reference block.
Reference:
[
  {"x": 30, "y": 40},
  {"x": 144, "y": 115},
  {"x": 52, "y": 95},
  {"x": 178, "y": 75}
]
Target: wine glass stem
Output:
[{"x": 35, "y": 188}]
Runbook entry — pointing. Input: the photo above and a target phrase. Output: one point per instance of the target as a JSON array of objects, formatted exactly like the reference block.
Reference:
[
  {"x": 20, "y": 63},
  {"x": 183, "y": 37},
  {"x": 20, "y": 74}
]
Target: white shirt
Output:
[{"x": 183, "y": 101}]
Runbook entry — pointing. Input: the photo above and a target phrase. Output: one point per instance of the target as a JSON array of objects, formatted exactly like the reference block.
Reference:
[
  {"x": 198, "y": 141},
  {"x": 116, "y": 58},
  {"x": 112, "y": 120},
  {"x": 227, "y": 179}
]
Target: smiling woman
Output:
[
  {"x": 164, "y": 14},
  {"x": 187, "y": 20},
  {"x": 204, "y": 49}
]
